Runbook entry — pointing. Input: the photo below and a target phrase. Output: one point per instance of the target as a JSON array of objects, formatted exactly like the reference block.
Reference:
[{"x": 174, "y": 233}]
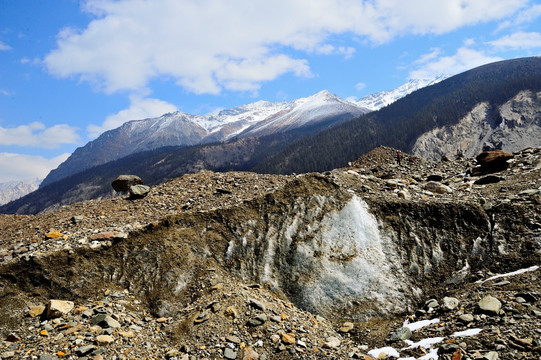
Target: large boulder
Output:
[
  {"x": 493, "y": 161},
  {"x": 124, "y": 182}
]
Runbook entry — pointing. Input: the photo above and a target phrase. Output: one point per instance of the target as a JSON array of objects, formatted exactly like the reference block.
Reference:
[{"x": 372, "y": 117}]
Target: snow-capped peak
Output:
[{"x": 381, "y": 99}]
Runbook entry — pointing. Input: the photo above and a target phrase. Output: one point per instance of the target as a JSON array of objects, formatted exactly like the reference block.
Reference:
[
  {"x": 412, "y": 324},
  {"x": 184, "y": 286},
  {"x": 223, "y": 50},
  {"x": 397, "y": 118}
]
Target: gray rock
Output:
[
  {"x": 7, "y": 355},
  {"x": 233, "y": 339},
  {"x": 400, "y": 334},
  {"x": 257, "y": 304},
  {"x": 258, "y": 320},
  {"x": 346, "y": 327},
  {"x": 449, "y": 303},
  {"x": 48, "y": 357},
  {"x": 466, "y": 318},
  {"x": 123, "y": 182},
  {"x": 529, "y": 192},
  {"x": 85, "y": 350},
  {"x": 432, "y": 303},
  {"x": 437, "y": 188},
  {"x": 105, "y": 321},
  {"x": 172, "y": 353},
  {"x": 331, "y": 342},
  {"x": 490, "y": 304},
  {"x": 492, "y": 355},
  {"x": 230, "y": 354},
  {"x": 139, "y": 191}
]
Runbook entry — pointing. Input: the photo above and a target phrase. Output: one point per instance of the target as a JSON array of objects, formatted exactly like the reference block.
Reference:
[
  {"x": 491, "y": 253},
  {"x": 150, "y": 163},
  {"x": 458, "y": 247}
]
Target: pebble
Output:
[
  {"x": 104, "y": 339},
  {"x": 449, "y": 303},
  {"x": 346, "y": 327},
  {"x": 332, "y": 342}
]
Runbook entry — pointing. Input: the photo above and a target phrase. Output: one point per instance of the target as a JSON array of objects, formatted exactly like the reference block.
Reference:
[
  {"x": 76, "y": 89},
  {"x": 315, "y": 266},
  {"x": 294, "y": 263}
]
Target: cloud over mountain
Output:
[{"x": 238, "y": 45}]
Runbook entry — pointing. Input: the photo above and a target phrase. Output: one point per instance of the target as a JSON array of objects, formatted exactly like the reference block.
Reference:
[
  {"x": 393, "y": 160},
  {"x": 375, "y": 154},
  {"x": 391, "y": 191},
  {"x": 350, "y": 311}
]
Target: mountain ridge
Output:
[
  {"x": 400, "y": 124},
  {"x": 181, "y": 129},
  {"x": 381, "y": 99}
]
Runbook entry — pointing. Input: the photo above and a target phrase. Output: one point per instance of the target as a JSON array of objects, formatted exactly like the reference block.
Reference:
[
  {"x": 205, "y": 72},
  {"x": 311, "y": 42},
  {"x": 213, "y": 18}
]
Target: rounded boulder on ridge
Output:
[{"x": 124, "y": 182}]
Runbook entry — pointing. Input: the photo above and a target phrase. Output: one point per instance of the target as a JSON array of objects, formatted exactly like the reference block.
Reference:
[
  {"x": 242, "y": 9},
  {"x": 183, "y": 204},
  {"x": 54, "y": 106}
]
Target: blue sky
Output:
[{"x": 70, "y": 70}]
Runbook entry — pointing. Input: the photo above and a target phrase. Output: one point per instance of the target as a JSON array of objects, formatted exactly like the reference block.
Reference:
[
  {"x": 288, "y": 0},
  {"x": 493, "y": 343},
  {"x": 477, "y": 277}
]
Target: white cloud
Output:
[
  {"x": 237, "y": 44},
  {"x": 140, "y": 108},
  {"x": 526, "y": 16},
  {"x": 464, "y": 59},
  {"x": 433, "y": 54},
  {"x": 4, "y": 47},
  {"x": 35, "y": 61},
  {"x": 360, "y": 86},
  {"x": 36, "y": 134},
  {"x": 4, "y": 92},
  {"x": 19, "y": 167},
  {"x": 518, "y": 40}
]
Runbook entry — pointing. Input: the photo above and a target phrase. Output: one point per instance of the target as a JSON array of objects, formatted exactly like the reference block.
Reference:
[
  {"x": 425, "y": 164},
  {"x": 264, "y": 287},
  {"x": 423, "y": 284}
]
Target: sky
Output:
[{"x": 70, "y": 70}]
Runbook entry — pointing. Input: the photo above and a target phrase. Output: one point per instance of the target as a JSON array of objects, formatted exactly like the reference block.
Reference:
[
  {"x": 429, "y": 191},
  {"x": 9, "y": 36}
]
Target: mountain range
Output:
[
  {"x": 493, "y": 106},
  {"x": 12, "y": 190},
  {"x": 181, "y": 129}
]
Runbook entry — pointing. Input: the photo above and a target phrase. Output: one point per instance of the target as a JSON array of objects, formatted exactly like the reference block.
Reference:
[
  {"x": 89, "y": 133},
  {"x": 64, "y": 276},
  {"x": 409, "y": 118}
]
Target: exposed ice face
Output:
[
  {"x": 326, "y": 255},
  {"x": 347, "y": 259}
]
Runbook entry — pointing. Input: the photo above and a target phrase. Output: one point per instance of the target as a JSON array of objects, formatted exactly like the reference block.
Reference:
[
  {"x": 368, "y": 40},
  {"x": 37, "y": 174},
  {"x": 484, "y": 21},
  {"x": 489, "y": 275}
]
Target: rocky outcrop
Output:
[{"x": 511, "y": 127}]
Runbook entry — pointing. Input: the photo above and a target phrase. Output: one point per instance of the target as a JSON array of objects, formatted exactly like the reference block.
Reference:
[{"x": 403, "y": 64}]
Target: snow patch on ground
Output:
[
  {"x": 518, "y": 272},
  {"x": 420, "y": 324}
]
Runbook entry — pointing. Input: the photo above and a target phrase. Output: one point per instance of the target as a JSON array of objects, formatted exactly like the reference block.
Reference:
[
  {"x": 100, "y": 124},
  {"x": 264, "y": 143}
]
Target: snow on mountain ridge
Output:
[
  {"x": 381, "y": 99},
  {"x": 311, "y": 109},
  {"x": 13, "y": 190}
]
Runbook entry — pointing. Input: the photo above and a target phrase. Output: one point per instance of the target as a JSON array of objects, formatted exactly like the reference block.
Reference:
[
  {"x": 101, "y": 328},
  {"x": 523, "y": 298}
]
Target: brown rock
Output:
[
  {"x": 248, "y": 353},
  {"x": 287, "y": 338},
  {"x": 123, "y": 182},
  {"x": 346, "y": 327},
  {"x": 36, "y": 310},
  {"x": 493, "y": 161},
  {"x": 53, "y": 234}
]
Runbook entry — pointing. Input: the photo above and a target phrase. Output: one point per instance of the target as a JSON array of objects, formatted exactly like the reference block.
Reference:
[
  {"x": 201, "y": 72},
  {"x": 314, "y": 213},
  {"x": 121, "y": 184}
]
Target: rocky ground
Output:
[{"x": 226, "y": 317}]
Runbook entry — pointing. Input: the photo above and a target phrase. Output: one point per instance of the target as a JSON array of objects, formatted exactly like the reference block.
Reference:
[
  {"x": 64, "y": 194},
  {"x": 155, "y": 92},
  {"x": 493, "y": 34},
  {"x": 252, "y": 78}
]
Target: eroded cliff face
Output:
[{"x": 517, "y": 126}]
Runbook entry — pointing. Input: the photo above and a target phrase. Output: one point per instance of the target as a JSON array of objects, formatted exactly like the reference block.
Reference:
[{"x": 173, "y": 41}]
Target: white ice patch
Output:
[
  {"x": 345, "y": 258},
  {"x": 432, "y": 355},
  {"x": 384, "y": 352},
  {"x": 230, "y": 249},
  {"x": 425, "y": 343}
]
